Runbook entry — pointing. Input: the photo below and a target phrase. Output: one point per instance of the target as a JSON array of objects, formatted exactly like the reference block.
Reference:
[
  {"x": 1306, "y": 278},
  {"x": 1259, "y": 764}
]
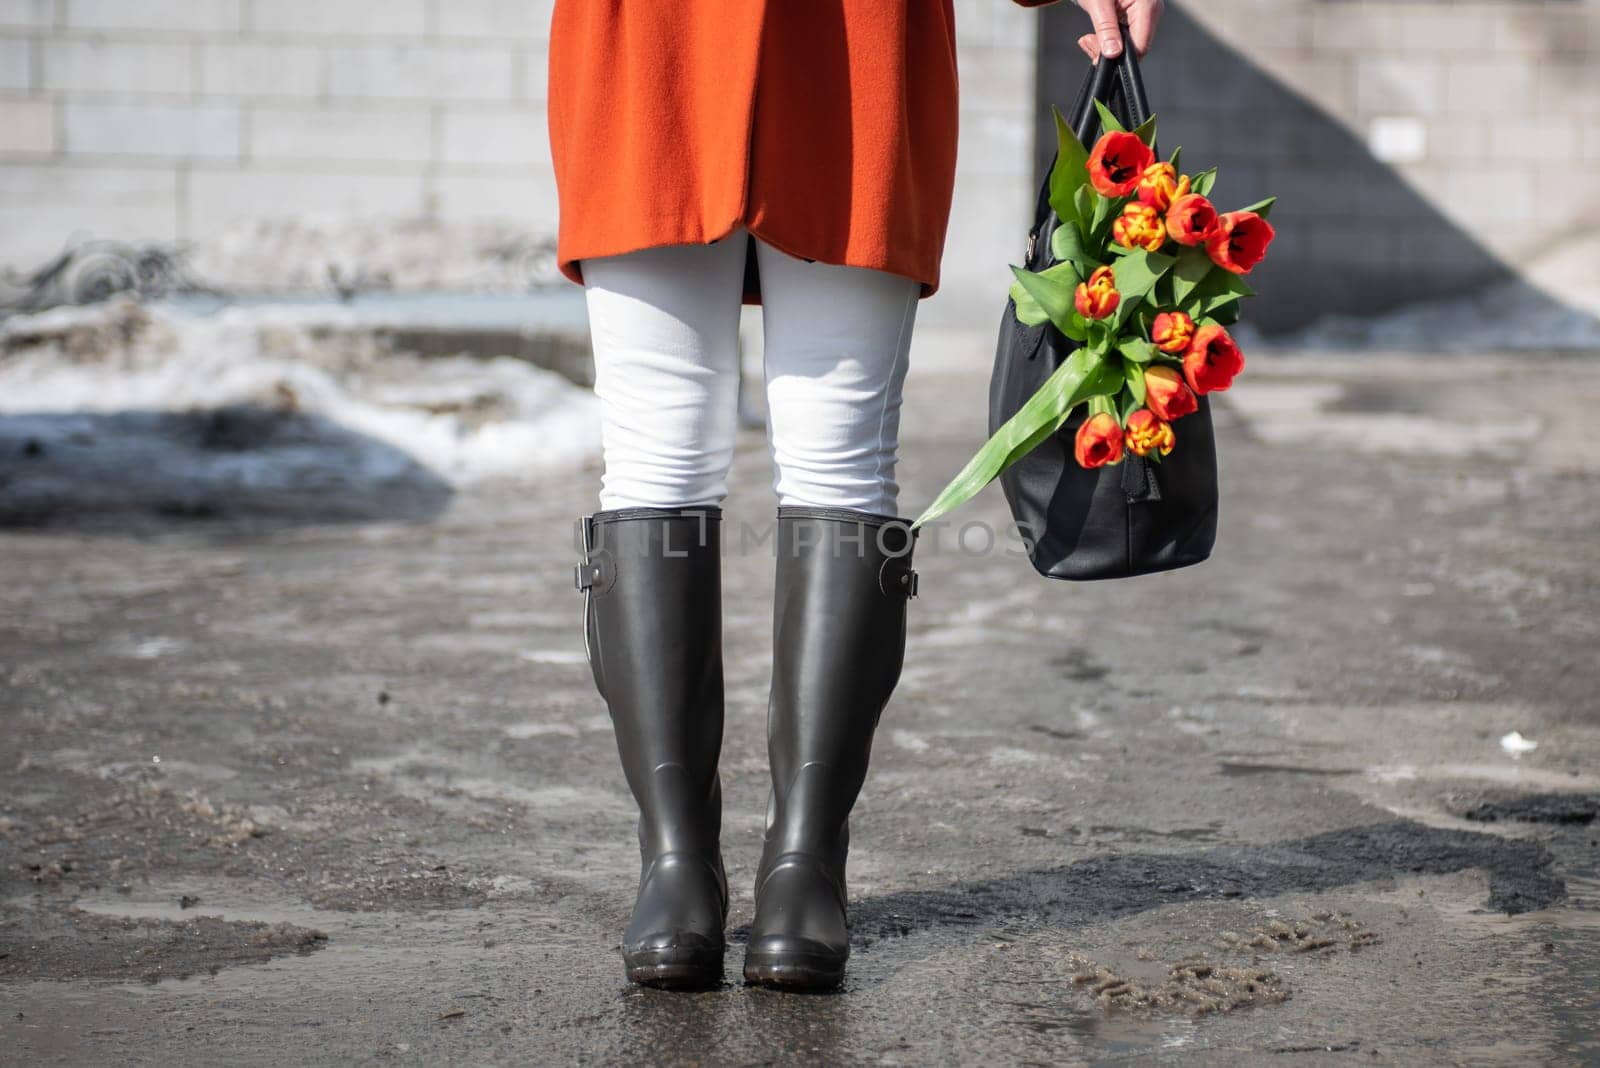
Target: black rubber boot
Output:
[
  {"x": 839, "y": 636},
  {"x": 653, "y": 627}
]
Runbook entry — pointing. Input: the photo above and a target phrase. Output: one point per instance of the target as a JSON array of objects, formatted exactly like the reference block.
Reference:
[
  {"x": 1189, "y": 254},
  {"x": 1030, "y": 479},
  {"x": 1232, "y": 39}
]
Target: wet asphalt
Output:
[{"x": 302, "y": 783}]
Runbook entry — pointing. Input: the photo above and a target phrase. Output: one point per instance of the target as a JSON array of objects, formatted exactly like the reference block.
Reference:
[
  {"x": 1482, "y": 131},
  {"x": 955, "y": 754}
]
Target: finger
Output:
[
  {"x": 1142, "y": 18},
  {"x": 1103, "y": 13},
  {"x": 1091, "y": 47}
]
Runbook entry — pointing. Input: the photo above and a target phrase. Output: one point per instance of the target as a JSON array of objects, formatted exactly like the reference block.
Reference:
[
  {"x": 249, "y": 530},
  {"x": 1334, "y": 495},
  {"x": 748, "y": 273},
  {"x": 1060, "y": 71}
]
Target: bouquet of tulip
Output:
[{"x": 1147, "y": 280}]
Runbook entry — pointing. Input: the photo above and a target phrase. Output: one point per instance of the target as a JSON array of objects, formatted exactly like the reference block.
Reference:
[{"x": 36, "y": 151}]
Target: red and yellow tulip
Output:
[
  {"x": 1146, "y": 433},
  {"x": 1097, "y": 298},
  {"x": 1099, "y": 441}
]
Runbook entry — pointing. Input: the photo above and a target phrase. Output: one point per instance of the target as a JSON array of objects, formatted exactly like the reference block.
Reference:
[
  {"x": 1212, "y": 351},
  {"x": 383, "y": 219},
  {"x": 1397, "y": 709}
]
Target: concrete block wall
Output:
[
  {"x": 175, "y": 120},
  {"x": 179, "y": 120}
]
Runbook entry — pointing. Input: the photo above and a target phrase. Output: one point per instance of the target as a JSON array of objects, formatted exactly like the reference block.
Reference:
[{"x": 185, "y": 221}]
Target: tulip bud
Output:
[
  {"x": 1166, "y": 394},
  {"x": 1213, "y": 360},
  {"x": 1117, "y": 162},
  {"x": 1172, "y": 331},
  {"x": 1139, "y": 226},
  {"x": 1099, "y": 441},
  {"x": 1146, "y": 434},
  {"x": 1160, "y": 185},
  {"x": 1098, "y": 297}
]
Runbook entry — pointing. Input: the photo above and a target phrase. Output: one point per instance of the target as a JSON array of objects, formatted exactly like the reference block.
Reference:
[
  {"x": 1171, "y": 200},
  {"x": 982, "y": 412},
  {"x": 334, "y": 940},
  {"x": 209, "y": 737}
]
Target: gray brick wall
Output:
[
  {"x": 175, "y": 120},
  {"x": 180, "y": 120}
]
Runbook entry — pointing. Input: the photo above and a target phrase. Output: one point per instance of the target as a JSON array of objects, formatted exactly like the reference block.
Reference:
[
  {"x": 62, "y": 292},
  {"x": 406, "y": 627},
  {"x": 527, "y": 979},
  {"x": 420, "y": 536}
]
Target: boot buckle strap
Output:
[
  {"x": 896, "y": 578},
  {"x": 597, "y": 573}
]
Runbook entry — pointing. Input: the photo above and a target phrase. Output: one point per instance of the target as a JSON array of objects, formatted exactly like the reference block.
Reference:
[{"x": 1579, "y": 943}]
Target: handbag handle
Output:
[
  {"x": 1120, "y": 88},
  {"x": 1115, "y": 82}
]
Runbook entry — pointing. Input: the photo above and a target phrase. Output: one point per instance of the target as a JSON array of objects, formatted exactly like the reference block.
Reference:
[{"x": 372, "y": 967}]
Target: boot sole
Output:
[
  {"x": 675, "y": 970},
  {"x": 790, "y": 972}
]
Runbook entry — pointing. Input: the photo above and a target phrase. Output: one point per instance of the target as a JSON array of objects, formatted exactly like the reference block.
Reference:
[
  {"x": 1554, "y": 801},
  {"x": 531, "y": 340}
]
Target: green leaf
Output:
[
  {"x": 1202, "y": 182},
  {"x": 1083, "y": 202},
  {"x": 1066, "y": 245},
  {"x": 1136, "y": 274},
  {"x": 1050, "y": 290},
  {"x": 1070, "y": 173},
  {"x": 1134, "y": 374},
  {"x": 1080, "y": 376},
  {"x": 1104, "y": 208},
  {"x": 1261, "y": 207},
  {"x": 1173, "y": 159},
  {"x": 1136, "y": 350},
  {"x": 1108, "y": 121},
  {"x": 1028, "y": 311},
  {"x": 1226, "y": 313},
  {"x": 1191, "y": 269},
  {"x": 1218, "y": 288},
  {"x": 1146, "y": 131}
]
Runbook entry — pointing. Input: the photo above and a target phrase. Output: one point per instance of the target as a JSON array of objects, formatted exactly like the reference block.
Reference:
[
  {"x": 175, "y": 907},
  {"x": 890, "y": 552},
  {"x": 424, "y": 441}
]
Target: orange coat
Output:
[{"x": 827, "y": 127}]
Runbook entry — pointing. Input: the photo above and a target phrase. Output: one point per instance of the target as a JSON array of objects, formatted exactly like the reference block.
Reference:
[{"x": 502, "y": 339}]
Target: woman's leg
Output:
[
  {"x": 837, "y": 340},
  {"x": 665, "y": 328},
  {"x": 836, "y": 346}
]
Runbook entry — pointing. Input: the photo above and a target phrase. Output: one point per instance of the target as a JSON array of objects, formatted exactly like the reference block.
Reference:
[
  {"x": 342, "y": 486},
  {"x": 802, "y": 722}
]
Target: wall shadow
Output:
[
  {"x": 134, "y": 471},
  {"x": 1107, "y": 887},
  {"x": 1354, "y": 239}
]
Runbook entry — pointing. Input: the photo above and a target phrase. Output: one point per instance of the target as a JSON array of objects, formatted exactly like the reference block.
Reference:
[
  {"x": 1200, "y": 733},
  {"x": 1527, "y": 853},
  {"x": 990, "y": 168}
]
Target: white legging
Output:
[{"x": 665, "y": 324}]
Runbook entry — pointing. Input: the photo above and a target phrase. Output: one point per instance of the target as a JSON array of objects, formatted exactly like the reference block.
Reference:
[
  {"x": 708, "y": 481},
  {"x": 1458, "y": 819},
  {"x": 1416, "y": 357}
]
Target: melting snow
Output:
[{"x": 464, "y": 418}]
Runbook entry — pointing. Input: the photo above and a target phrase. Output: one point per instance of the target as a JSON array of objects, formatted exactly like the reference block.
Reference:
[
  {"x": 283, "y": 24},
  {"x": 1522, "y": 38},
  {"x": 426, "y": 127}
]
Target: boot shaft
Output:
[
  {"x": 839, "y": 625},
  {"x": 653, "y": 631}
]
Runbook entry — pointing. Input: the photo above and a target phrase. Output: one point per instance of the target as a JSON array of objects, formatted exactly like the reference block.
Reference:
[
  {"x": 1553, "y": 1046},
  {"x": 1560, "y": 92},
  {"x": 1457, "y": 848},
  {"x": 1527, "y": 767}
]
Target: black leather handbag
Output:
[{"x": 1109, "y": 522}]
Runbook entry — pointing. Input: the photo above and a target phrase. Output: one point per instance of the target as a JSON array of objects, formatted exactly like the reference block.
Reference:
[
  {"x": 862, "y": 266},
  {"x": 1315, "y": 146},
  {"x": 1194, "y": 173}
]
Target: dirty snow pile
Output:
[
  {"x": 313, "y": 253},
  {"x": 287, "y": 399}
]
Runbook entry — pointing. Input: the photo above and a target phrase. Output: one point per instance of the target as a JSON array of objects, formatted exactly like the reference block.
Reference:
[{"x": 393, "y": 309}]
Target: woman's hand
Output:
[{"x": 1140, "y": 15}]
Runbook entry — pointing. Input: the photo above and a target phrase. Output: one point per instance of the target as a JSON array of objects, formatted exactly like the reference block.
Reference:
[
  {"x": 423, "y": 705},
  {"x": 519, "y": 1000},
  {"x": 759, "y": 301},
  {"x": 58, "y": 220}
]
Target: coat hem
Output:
[{"x": 571, "y": 268}]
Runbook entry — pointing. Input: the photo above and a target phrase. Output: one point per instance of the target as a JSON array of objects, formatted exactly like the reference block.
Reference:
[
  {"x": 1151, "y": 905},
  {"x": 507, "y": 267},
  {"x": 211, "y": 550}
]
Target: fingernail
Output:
[{"x": 1110, "y": 45}]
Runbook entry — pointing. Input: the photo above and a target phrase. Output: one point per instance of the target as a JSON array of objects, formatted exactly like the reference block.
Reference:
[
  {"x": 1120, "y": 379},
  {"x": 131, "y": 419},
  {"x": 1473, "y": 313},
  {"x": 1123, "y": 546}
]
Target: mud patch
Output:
[
  {"x": 1193, "y": 987},
  {"x": 1572, "y": 809},
  {"x": 120, "y": 834},
  {"x": 1322, "y": 932},
  {"x": 1079, "y": 665},
  {"x": 1223, "y": 978},
  {"x": 74, "y": 944}
]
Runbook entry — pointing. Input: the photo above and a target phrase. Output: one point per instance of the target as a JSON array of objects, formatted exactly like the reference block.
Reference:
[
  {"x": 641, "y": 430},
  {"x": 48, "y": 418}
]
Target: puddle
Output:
[
  {"x": 1208, "y": 833},
  {"x": 219, "y": 901},
  {"x": 1235, "y": 768},
  {"x": 1563, "y": 808}
]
